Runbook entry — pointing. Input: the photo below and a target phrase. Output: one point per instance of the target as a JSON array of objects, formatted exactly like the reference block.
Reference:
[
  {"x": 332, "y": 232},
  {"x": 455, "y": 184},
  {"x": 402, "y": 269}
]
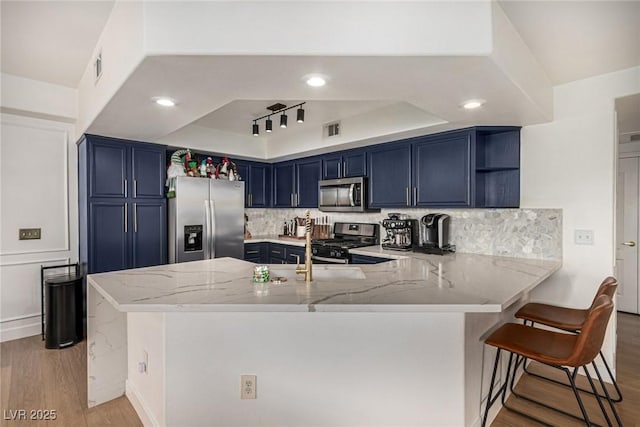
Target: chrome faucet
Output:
[{"x": 307, "y": 252}]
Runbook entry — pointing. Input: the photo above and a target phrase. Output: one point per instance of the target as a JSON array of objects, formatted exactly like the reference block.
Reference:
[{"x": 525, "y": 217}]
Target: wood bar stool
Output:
[
  {"x": 570, "y": 320},
  {"x": 556, "y": 349}
]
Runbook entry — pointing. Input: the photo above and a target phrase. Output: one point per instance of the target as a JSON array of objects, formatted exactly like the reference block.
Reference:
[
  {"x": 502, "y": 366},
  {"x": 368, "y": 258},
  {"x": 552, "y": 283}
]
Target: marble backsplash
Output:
[{"x": 521, "y": 233}]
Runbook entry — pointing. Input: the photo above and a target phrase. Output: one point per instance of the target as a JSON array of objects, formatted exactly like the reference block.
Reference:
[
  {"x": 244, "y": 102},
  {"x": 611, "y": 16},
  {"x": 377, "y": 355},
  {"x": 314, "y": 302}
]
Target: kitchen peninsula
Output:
[{"x": 396, "y": 343}]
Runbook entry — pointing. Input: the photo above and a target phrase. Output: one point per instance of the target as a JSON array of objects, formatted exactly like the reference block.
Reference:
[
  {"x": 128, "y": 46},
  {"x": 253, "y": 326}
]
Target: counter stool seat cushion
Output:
[{"x": 569, "y": 319}]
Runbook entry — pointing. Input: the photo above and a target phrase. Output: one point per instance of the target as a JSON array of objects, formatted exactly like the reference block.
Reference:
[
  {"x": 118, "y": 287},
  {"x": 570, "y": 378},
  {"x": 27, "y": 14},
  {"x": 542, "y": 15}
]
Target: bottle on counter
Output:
[{"x": 285, "y": 230}]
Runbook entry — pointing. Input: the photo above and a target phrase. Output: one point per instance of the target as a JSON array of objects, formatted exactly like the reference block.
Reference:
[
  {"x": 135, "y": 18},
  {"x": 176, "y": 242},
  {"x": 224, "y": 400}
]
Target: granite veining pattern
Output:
[
  {"x": 521, "y": 233},
  {"x": 406, "y": 283}
]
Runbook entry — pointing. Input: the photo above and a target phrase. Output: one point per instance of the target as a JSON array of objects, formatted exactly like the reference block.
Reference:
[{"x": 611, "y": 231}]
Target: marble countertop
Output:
[{"x": 407, "y": 283}]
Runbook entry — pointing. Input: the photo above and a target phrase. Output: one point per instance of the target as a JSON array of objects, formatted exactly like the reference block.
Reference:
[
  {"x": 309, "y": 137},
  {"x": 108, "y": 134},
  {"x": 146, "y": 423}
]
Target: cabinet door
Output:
[
  {"x": 108, "y": 169},
  {"x": 283, "y": 180},
  {"x": 293, "y": 252},
  {"x": 149, "y": 233},
  {"x": 389, "y": 168},
  {"x": 307, "y": 177},
  {"x": 148, "y": 171},
  {"x": 442, "y": 170},
  {"x": 110, "y": 226},
  {"x": 260, "y": 185},
  {"x": 332, "y": 166},
  {"x": 354, "y": 163},
  {"x": 243, "y": 171}
]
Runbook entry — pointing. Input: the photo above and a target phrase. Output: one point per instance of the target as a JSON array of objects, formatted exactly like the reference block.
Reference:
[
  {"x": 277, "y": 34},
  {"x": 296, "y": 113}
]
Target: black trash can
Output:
[{"x": 63, "y": 313}]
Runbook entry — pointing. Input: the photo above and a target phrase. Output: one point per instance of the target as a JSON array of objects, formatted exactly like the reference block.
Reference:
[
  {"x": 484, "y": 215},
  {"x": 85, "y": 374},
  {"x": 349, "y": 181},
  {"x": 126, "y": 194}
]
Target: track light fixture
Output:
[{"x": 278, "y": 109}]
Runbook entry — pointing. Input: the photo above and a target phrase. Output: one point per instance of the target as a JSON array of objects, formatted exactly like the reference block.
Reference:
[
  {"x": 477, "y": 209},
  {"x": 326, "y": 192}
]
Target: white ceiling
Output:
[
  {"x": 52, "y": 41},
  {"x": 573, "y": 40}
]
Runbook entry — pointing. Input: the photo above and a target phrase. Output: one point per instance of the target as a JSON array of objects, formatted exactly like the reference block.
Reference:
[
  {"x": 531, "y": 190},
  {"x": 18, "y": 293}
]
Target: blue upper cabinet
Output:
[
  {"x": 307, "y": 177},
  {"x": 344, "y": 164},
  {"x": 147, "y": 171},
  {"x": 109, "y": 168},
  {"x": 257, "y": 187},
  {"x": 260, "y": 185},
  {"x": 389, "y": 168},
  {"x": 284, "y": 185},
  {"x": 441, "y": 170}
]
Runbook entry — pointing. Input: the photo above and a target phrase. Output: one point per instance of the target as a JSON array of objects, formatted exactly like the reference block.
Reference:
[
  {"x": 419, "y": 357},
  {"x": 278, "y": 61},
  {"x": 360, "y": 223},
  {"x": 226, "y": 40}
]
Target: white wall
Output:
[
  {"x": 570, "y": 164},
  {"x": 38, "y": 99},
  {"x": 38, "y": 186}
]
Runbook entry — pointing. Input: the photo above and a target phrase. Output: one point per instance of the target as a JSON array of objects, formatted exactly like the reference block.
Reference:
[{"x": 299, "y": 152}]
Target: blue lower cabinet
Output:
[
  {"x": 148, "y": 233},
  {"x": 294, "y": 253},
  {"x": 257, "y": 252},
  {"x": 277, "y": 254},
  {"x": 365, "y": 259},
  {"x": 108, "y": 246}
]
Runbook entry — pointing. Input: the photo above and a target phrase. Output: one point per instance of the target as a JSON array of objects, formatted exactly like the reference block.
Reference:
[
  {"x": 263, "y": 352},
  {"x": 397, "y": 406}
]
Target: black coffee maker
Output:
[
  {"x": 401, "y": 232},
  {"x": 434, "y": 234}
]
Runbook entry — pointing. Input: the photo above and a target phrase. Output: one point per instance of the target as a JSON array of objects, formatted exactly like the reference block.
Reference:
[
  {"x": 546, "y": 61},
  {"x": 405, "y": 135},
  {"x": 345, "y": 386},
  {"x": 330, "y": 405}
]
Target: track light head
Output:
[
  {"x": 300, "y": 115},
  {"x": 268, "y": 125},
  {"x": 283, "y": 120},
  {"x": 256, "y": 129}
]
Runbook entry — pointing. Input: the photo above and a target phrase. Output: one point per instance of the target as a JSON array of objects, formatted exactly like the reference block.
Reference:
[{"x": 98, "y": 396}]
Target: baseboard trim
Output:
[
  {"x": 147, "y": 418},
  {"x": 8, "y": 333}
]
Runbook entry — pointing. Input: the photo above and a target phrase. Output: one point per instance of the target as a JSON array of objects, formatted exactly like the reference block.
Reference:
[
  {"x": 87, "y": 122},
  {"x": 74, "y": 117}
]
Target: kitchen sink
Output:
[{"x": 320, "y": 272}]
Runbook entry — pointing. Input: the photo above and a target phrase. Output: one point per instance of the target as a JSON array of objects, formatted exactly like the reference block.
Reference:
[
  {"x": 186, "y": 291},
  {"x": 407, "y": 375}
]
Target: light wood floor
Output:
[
  {"x": 628, "y": 373},
  {"x": 34, "y": 378}
]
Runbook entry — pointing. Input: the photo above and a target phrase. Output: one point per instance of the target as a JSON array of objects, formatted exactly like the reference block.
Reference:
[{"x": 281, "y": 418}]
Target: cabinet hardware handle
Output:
[
  {"x": 125, "y": 188},
  {"x": 344, "y": 168},
  {"x": 253, "y": 252},
  {"x": 630, "y": 243},
  {"x": 275, "y": 252},
  {"x": 415, "y": 195},
  {"x": 296, "y": 199},
  {"x": 251, "y": 199},
  {"x": 135, "y": 217},
  {"x": 126, "y": 219},
  {"x": 407, "y": 195},
  {"x": 291, "y": 199},
  {"x": 135, "y": 188}
]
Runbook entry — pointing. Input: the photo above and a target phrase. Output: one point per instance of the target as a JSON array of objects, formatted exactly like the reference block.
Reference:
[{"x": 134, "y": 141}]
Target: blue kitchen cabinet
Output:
[
  {"x": 307, "y": 177},
  {"x": 366, "y": 259},
  {"x": 147, "y": 229},
  {"x": 108, "y": 236},
  {"x": 497, "y": 171},
  {"x": 344, "y": 164},
  {"x": 109, "y": 168},
  {"x": 277, "y": 253},
  {"x": 294, "y": 253},
  {"x": 148, "y": 171},
  {"x": 122, "y": 209},
  {"x": 257, "y": 183},
  {"x": 284, "y": 184},
  {"x": 257, "y": 252},
  {"x": 389, "y": 168},
  {"x": 441, "y": 170}
]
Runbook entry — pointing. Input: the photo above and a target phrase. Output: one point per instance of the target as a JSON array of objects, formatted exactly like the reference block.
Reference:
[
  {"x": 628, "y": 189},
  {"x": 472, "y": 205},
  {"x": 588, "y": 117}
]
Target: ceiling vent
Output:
[
  {"x": 331, "y": 129},
  {"x": 97, "y": 67},
  {"x": 634, "y": 137}
]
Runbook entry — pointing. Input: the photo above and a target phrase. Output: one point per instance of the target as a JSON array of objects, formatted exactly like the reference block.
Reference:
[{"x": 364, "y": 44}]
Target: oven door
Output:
[{"x": 324, "y": 260}]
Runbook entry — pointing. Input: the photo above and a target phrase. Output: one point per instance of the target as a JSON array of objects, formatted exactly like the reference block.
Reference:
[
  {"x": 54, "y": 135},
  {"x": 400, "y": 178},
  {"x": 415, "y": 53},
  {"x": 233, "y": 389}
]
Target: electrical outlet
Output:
[
  {"x": 583, "y": 237},
  {"x": 247, "y": 386},
  {"x": 29, "y": 234}
]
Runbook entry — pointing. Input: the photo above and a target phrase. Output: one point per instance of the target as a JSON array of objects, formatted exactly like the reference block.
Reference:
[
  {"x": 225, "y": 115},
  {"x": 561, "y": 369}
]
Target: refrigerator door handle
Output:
[
  {"x": 212, "y": 230},
  {"x": 207, "y": 228}
]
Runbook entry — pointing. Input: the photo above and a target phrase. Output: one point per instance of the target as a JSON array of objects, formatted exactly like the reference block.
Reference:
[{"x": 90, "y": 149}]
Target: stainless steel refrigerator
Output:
[{"x": 206, "y": 219}]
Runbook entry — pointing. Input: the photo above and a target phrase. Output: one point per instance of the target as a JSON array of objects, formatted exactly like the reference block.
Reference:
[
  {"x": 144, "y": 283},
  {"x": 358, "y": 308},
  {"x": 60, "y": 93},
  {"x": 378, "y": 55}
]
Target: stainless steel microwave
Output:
[{"x": 343, "y": 195}]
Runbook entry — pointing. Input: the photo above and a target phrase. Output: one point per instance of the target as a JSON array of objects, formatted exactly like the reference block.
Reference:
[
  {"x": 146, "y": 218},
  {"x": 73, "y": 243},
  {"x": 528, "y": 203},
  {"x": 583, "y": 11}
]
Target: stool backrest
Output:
[
  {"x": 589, "y": 341},
  {"x": 607, "y": 287}
]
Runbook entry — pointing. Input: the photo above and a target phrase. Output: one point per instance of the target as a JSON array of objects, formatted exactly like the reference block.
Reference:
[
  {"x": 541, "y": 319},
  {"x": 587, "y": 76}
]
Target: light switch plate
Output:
[
  {"x": 583, "y": 237},
  {"x": 29, "y": 234}
]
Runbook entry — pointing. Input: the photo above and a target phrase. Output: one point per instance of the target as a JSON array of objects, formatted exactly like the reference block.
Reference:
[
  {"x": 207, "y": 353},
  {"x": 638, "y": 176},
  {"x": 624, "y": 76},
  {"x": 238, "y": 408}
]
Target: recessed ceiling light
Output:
[
  {"x": 473, "y": 103},
  {"x": 315, "y": 80},
  {"x": 165, "y": 102}
]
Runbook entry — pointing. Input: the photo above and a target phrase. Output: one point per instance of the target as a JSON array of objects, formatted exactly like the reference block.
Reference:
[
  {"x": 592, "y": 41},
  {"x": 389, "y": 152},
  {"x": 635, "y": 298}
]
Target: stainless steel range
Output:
[{"x": 347, "y": 235}]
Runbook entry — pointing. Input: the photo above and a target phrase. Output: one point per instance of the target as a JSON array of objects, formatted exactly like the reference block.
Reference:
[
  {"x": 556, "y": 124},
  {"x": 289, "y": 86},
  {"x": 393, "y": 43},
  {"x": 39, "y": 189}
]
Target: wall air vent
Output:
[
  {"x": 97, "y": 66},
  {"x": 331, "y": 129},
  {"x": 634, "y": 137}
]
